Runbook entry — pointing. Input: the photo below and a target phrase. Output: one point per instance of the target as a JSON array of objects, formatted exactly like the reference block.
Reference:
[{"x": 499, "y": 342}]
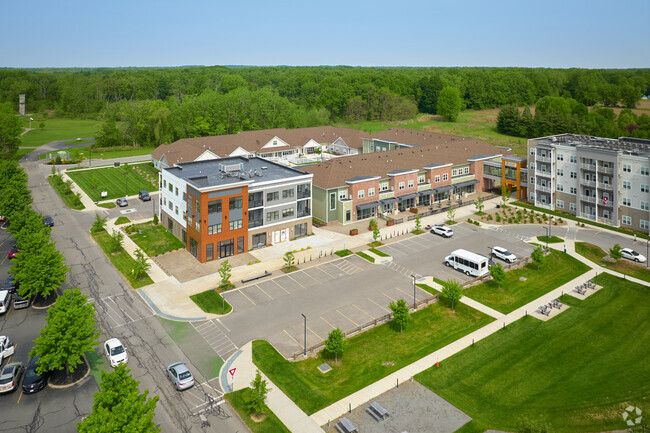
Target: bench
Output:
[
  {"x": 378, "y": 412},
  {"x": 345, "y": 426},
  {"x": 255, "y": 277}
]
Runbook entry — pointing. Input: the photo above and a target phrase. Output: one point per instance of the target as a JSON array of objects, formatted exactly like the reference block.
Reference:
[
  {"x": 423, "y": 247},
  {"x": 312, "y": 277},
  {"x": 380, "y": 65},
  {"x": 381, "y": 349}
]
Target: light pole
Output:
[
  {"x": 548, "y": 234},
  {"x": 305, "y": 344},
  {"x": 415, "y": 305},
  {"x": 30, "y": 123}
]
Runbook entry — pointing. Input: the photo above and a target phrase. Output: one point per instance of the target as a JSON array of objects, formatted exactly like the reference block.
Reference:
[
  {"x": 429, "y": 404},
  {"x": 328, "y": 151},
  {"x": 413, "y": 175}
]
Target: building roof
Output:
[
  {"x": 625, "y": 145},
  {"x": 229, "y": 171}
]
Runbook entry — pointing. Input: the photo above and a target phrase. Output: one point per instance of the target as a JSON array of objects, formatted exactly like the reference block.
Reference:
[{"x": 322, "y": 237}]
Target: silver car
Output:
[
  {"x": 180, "y": 376},
  {"x": 10, "y": 376},
  {"x": 121, "y": 202}
]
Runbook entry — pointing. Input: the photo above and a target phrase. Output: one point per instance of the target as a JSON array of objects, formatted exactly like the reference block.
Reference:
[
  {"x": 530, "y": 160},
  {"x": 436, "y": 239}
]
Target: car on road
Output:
[
  {"x": 7, "y": 347},
  {"x": 115, "y": 352},
  {"x": 504, "y": 254},
  {"x": 442, "y": 230},
  {"x": 12, "y": 252},
  {"x": 34, "y": 382},
  {"x": 180, "y": 376},
  {"x": 10, "y": 376},
  {"x": 20, "y": 302},
  {"x": 10, "y": 284},
  {"x": 48, "y": 221},
  {"x": 630, "y": 254},
  {"x": 121, "y": 202},
  {"x": 144, "y": 195}
]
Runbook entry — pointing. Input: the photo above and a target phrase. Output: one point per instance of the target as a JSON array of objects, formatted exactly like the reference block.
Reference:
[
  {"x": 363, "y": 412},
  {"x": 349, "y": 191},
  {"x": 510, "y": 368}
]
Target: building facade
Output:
[
  {"x": 219, "y": 208},
  {"x": 600, "y": 179}
]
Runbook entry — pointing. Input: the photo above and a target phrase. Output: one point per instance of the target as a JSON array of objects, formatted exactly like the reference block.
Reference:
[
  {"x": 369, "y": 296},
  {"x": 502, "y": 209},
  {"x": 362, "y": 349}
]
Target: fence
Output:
[{"x": 368, "y": 325}]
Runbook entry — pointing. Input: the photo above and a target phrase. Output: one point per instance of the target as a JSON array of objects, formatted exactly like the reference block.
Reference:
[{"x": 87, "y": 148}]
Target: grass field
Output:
[
  {"x": 624, "y": 266},
  {"x": 271, "y": 423},
  {"x": 211, "y": 302},
  {"x": 113, "y": 180},
  {"x": 154, "y": 239},
  {"x": 83, "y": 152},
  {"x": 557, "y": 269},
  {"x": 122, "y": 261},
  {"x": 577, "y": 372},
  {"x": 58, "y": 129},
  {"x": 550, "y": 239},
  {"x": 368, "y": 357}
]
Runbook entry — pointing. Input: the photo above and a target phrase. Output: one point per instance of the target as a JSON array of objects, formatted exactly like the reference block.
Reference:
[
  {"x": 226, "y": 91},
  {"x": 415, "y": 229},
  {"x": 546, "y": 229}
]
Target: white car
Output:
[
  {"x": 115, "y": 352},
  {"x": 7, "y": 347},
  {"x": 442, "y": 230},
  {"x": 504, "y": 254},
  {"x": 630, "y": 254}
]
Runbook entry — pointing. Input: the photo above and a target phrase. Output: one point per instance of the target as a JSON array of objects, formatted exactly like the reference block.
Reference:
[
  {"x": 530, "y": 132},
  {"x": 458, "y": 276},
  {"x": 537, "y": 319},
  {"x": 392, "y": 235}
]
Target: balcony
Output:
[
  {"x": 304, "y": 213},
  {"x": 610, "y": 202},
  {"x": 604, "y": 220},
  {"x": 603, "y": 169},
  {"x": 543, "y": 159},
  {"x": 254, "y": 204},
  {"x": 591, "y": 183},
  {"x": 588, "y": 198},
  {"x": 541, "y": 188},
  {"x": 607, "y": 186},
  {"x": 303, "y": 194},
  {"x": 590, "y": 167},
  {"x": 255, "y": 223},
  {"x": 543, "y": 173}
]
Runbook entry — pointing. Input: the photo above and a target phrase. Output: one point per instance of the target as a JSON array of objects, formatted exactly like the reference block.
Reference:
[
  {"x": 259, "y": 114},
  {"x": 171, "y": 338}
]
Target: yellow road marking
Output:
[
  {"x": 383, "y": 308},
  {"x": 406, "y": 293},
  {"x": 347, "y": 317},
  {"x": 392, "y": 299},
  {"x": 294, "y": 280},
  {"x": 291, "y": 336},
  {"x": 317, "y": 336},
  {"x": 311, "y": 277},
  {"x": 264, "y": 292},
  {"x": 362, "y": 311},
  {"x": 288, "y": 292},
  {"x": 245, "y": 296},
  {"x": 19, "y": 397},
  {"x": 326, "y": 273},
  {"x": 325, "y": 320}
]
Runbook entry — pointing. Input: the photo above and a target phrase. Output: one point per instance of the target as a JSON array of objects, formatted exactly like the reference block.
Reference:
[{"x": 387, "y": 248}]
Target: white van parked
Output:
[
  {"x": 5, "y": 300},
  {"x": 471, "y": 263}
]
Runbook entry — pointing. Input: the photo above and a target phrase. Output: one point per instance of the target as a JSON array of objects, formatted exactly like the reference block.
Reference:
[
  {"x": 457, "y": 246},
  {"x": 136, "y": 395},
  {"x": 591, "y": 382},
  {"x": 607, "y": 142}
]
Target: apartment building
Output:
[
  {"x": 600, "y": 179},
  {"x": 219, "y": 208}
]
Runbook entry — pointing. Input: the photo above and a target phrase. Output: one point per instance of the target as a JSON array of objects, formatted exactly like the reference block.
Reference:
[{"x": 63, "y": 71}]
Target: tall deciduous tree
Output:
[
  {"x": 40, "y": 267},
  {"x": 70, "y": 331},
  {"x": 452, "y": 291},
  {"x": 10, "y": 131},
  {"x": 401, "y": 316},
  {"x": 449, "y": 103},
  {"x": 336, "y": 343},
  {"x": 120, "y": 407}
]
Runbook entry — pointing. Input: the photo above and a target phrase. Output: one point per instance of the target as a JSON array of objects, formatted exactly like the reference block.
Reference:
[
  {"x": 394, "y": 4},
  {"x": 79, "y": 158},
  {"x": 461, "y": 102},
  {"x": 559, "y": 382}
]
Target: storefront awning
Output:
[
  {"x": 442, "y": 189},
  {"x": 388, "y": 200},
  {"x": 425, "y": 192},
  {"x": 367, "y": 205},
  {"x": 468, "y": 183},
  {"x": 408, "y": 196}
]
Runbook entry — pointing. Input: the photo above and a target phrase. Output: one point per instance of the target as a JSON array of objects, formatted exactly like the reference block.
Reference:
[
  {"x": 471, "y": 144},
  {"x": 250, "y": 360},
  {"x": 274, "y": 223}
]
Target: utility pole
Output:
[{"x": 305, "y": 344}]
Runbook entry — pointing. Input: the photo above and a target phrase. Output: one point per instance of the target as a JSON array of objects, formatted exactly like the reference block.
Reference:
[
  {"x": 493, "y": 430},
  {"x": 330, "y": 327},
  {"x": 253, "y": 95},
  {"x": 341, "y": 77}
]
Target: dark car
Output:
[
  {"x": 10, "y": 284},
  {"x": 121, "y": 202},
  {"x": 34, "y": 382},
  {"x": 48, "y": 221},
  {"x": 144, "y": 195},
  {"x": 12, "y": 252}
]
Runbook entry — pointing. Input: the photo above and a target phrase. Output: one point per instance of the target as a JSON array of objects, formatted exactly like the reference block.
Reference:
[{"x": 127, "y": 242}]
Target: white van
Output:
[
  {"x": 5, "y": 301},
  {"x": 466, "y": 261}
]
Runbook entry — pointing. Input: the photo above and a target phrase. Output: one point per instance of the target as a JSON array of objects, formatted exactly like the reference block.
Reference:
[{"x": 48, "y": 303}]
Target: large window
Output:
[
  {"x": 300, "y": 230},
  {"x": 209, "y": 252},
  {"x": 214, "y": 229},
  {"x": 259, "y": 240},
  {"x": 286, "y": 213},
  {"x": 287, "y": 193},
  {"x": 627, "y": 220},
  {"x": 240, "y": 245},
  {"x": 235, "y": 203},
  {"x": 272, "y": 216},
  {"x": 272, "y": 196},
  {"x": 332, "y": 201},
  {"x": 360, "y": 193},
  {"x": 214, "y": 207},
  {"x": 236, "y": 224}
]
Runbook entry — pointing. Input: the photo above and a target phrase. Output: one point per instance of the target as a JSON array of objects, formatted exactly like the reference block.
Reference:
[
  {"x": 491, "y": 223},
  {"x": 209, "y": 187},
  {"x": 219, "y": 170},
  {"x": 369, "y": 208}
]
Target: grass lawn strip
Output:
[
  {"x": 378, "y": 252},
  {"x": 113, "y": 180},
  {"x": 366, "y": 256},
  {"x": 70, "y": 199},
  {"x": 368, "y": 357},
  {"x": 123, "y": 262},
  {"x": 550, "y": 240},
  {"x": 343, "y": 253},
  {"x": 211, "y": 302},
  {"x": 271, "y": 423},
  {"x": 122, "y": 220},
  {"x": 557, "y": 269},
  {"x": 154, "y": 239},
  {"x": 624, "y": 266},
  {"x": 577, "y": 372}
]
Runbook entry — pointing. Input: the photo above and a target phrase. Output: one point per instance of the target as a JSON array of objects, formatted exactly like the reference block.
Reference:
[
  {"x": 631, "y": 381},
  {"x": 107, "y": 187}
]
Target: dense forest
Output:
[{"x": 153, "y": 106}]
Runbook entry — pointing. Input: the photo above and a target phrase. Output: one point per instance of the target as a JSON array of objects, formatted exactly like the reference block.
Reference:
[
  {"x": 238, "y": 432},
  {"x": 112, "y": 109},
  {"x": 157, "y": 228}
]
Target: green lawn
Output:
[
  {"x": 550, "y": 239},
  {"x": 99, "y": 153},
  {"x": 154, "y": 239},
  {"x": 624, "y": 266},
  {"x": 113, "y": 180},
  {"x": 109, "y": 205},
  {"x": 366, "y": 256},
  {"x": 22, "y": 151},
  {"x": 343, "y": 253},
  {"x": 122, "y": 261},
  {"x": 378, "y": 252},
  {"x": 576, "y": 372},
  {"x": 368, "y": 357},
  {"x": 271, "y": 423},
  {"x": 558, "y": 269},
  {"x": 57, "y": 129},
  {"x": 211, "y": 302},
  {"x": 122, "y": 220},
  {"x": 66, "y": 195}
]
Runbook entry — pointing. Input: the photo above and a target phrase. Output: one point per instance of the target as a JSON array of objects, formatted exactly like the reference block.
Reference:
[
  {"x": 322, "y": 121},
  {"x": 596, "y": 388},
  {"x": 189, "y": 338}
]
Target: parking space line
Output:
[
  {"x": 392, "y": 299},
  {"x": 347, "y": 318},
  {"x": 326, "y": 273},
  {"x": 325, "y": 320},
  {"x": 294, "y": 280},
  {"x": 362, "y": 311},
  {"x": 383, "y": 308},
  {"x": 318, "y": 282},
  {"x": 288, "y": 292},
  {"x": 406, "y": 293},
  {"x": 245, "y": 296},
  {"x": 285, "y": 331},
  {"x": 262, "y": 290},
  {"x": 317, "y": 336}
]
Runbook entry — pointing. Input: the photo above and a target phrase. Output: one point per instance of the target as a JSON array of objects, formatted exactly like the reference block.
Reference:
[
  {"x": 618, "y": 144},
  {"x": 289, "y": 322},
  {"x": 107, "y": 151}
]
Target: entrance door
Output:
[
  {"x": 283, "y": 235},
  {"x": 226, "y": 248},
  {"x": 276, "y": 237}
]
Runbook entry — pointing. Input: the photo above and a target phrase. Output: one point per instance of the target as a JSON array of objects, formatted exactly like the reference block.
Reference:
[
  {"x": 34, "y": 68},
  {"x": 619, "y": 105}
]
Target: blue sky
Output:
[{"x": 547, "y": 33}]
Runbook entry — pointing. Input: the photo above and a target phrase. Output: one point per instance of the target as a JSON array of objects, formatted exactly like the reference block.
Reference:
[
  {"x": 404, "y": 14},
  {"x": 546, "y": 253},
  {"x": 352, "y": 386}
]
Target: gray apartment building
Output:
[{"x": 600, "y": 179}]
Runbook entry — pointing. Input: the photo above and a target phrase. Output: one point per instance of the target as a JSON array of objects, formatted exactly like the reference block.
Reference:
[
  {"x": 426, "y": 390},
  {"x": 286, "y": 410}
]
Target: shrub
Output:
[
  {"x": 498, "y": 218},
  {"x": 155, "y": 219},
  {"x": 57, "y": 160}
]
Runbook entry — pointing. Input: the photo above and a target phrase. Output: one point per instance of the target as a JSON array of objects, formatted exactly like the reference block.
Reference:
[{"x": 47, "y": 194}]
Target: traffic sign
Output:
[{"x": 232, "y": 372}]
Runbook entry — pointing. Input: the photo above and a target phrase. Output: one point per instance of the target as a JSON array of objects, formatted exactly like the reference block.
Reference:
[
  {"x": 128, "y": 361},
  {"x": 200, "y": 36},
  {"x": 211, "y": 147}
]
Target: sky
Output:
[{"x": 118, "y": 33}]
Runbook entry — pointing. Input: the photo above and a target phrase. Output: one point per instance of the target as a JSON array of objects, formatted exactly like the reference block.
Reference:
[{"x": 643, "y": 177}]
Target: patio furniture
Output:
[
  {"x": 345, "y": 426},
  {"x": 378, "y": 412}
]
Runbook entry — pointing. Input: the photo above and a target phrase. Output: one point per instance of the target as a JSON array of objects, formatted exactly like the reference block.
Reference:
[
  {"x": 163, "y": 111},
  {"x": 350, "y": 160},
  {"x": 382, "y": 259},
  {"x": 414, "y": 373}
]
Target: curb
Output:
[
  {"x": 223, "y": 376},
  {"x": 75, "y": 383},
  {"x": 155, "y": 308}
]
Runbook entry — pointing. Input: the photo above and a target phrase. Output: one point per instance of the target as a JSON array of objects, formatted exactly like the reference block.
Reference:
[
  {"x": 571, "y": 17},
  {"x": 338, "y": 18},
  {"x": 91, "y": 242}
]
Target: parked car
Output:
[
  {"x": 442, "y": 230},
  {"x": 20, "y": 302},
  {"x": 180, "y": 376},
  {"x": 144, "y": 195},
  {"x": 7, "y": 347},
  {"x": 5, "y": 302},
  {"x": 10, "y": 376},
  {"x": 121, "y": 202},
  {"x": 48, "y": 221},
  {"x": 10, "y": 284},
  {"x": 13, "y": 251},
  {"x": 115, "y": 352},
  {"x": 34, "y": 382},
  {"x": 504, "y": 254},
  {"x": 630, "y": 254}
]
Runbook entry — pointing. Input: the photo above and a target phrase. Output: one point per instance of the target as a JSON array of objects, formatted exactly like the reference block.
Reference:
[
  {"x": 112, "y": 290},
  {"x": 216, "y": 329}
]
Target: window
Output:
[
  {"x": 286, "y": 213},
  {"x": 184, "y": 216},
  {"x": 197, "y": 226},
  {"x": 271, "y": 196},
  {"x": 627, "y": 220},
  {"x": 560, "y": 172},
  {"x": 532, "y": 151},
  {"x": 209, "y": 252},
  {"x": 627, "y": 168},
  {"x": 445, "y": 176},
  {"x": 360, "y": 193},
  {"x": 214, "y": 207},
  {"x": 272, "y": 216},
  {"x": 532, "y": 179},
  {"x": 573, "y": 159},
  {"x": 645, "y": 205},
  {"x": 197, "y": 205},
  {"x": 184, "y": 196},
  {"x": 288, "y": 193},
  {"x": 411, "y": 184},
  {"x": 572, "y": 207},
  {"x": 466, "y": 170},
  {"x": 170, "y": 224},
  {"x": 627, "y": 202},
  {"x": 300, "y": 230},
  {"x": 164, "y": 183},
  {"x": 171, "y": 187},
  {"x": 645, "y": 171},
  {"x": 401, "y": 185},
  {"x": 574, "y": 175},
  {"x": 437, "y": 178},
  {"x": 559, "y": 204},
  {"x": 627, "y": 185},
  {"x": 421, "y": 178},
  {"x": 332, "y": 201},
  {"x": 644, "y": 224},
  {"x": 183, "y": 236},
  {"x": 383, "y": 186},
  {"x": 214, "y": 229},
  {"x": 236, "y": 203},
  {"x": 645, "y": 188},
  {"x": 560, "y": 187},
  {"x": 164, "y": 200},
  {"x": 259, "y": 240},
  {"x": 176, "y": 191},
  {"x": 371, "y": 192},
  {"x": 343, "y": 195},
  {"x": 573, "y": 190},
  {"x": 560, "y": 157},
  {"x": 176, "y": 209},
  {"x": 236, "y": 224},
  {"x": 171, "y": 205},
  {"x": 454, "y": 172},
  {"x": 240, "y": 245}
]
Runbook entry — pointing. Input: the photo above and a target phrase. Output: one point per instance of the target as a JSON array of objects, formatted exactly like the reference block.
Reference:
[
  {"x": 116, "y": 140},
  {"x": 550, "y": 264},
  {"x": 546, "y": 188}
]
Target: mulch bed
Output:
[
  {"x": 60, "y": 378},
  {"x": 40, "y": 301}
]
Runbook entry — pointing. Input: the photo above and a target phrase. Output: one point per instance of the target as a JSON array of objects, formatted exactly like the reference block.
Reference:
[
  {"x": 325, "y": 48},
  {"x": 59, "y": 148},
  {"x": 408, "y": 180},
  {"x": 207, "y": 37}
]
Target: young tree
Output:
[
  {"x": 289, "y": 259},
  {"x": 418, "y": 222},
  {"x": 336, "y": 343},
  {"x": 40, "y": 267},
  {"x": 99, "y": 224},
  {"x": 452, "y": 291},
  {"x": 449, "y": 103},
  {"x": 142, "y": 264},
  {"x": 498, "y": 274},
  {"x": 450, "y": 214},
  {"x": 257, "y": 394},
  {"x": 120, "y": 407},
  {"x": 615, "y": 252},
  {"x": 505, "y": 194},
  {"x": 538, "y": 256},
  {"x": 117, "y": 239},
  {"x": 401, "y": 316},
  {"x": 70, "y": 331},
  {"x": 375, "y": 234},
  {"x": 225, "y": 273},
  {"x": 479, "y": 205}
]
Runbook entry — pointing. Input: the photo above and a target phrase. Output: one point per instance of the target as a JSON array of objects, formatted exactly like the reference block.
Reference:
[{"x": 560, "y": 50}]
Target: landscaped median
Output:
[
  {"x": 624, "y": 266},
  {"x": 576, "y": 373},
  {"x": 368, "y": 357},
  {"x": 122, "y": 261}
]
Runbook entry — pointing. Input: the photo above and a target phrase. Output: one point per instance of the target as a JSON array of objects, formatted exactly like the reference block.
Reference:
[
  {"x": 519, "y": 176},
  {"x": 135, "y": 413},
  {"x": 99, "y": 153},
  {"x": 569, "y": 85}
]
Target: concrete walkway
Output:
[{"x": 464, "y": 300}]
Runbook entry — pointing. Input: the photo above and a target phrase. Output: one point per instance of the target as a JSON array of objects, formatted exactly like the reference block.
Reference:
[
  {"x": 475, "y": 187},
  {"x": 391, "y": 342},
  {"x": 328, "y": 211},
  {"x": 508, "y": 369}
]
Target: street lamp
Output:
[
  {"x": 30, "y": 123},
  {"x": 415, "y": 305},
  {"x": 305, "y": 344},
  {"x": 548, "y": 234}
]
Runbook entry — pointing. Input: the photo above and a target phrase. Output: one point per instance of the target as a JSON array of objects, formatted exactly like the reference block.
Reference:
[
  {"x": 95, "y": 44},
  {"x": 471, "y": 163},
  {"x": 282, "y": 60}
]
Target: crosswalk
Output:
[
  {"x": 216, "y": 338},
  {"x": 120, "y": 310},
  {"x": 347, "y": 266},
  {"x": 203, "y": 396}
]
